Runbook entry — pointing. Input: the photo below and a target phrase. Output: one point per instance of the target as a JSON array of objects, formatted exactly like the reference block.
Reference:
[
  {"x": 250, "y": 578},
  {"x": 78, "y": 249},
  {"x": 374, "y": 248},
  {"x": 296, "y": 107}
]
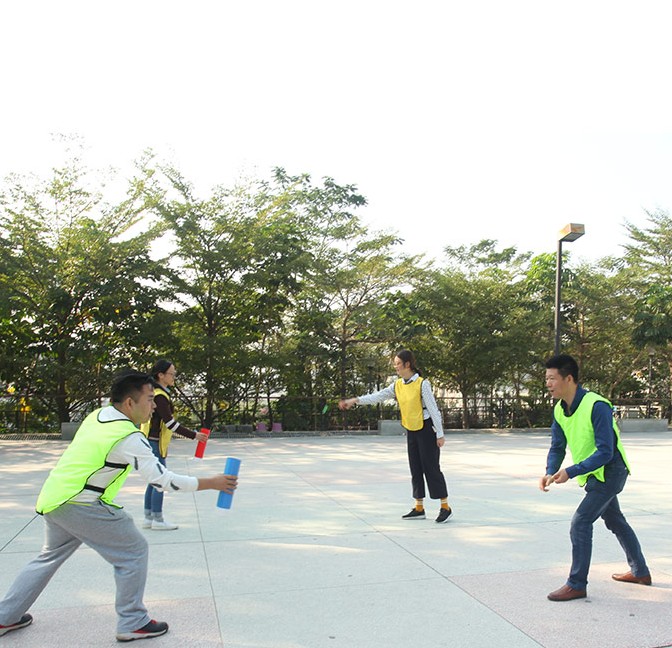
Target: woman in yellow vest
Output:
[
  {"x": 421, "y": 418},
  {"x": 159, "y": 431}
]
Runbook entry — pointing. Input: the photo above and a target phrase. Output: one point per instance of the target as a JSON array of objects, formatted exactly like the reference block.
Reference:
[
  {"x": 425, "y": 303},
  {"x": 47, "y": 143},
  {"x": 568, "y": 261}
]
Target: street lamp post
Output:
[{"x": 568, "y": 233}]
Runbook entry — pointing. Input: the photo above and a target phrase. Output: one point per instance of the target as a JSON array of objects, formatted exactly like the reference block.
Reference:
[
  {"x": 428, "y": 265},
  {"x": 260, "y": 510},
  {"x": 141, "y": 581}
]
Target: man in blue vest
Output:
[
  {"x": 583, "y": 421},
  {"x": 77, "y": 505}
]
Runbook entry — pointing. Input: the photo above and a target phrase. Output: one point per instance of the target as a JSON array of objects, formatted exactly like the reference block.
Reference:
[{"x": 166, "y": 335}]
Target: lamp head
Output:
[{"x": 571, "y": 232}]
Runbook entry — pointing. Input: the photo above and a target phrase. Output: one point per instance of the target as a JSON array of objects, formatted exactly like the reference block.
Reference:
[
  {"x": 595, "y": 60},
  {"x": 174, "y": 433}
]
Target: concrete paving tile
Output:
[
  {"x": 654, "y": 532},
  {"x": 85, "y": 579},
  {"x": 30, "y": 464},
  {"x": 451, "y": 549},
  {"x": 314, "y": 552},
  {"x": 311, "y": 562},
  {"x": 661, "y": 566},
  {"x": 21, "y": 528},
  {"x": 192, "y": 623},
  {"x": 177, "y": 571},
  {"x": 423, "y": 613},
  {"x": 512, "y": 505},
  {"x": 277, "y": 521},
  {"x": 617, "y": 615}
]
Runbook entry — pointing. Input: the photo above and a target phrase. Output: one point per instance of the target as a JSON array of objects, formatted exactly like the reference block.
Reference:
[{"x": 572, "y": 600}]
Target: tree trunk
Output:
[
  {"x": 669, "y": 407},
  {"x": 342, "y": 358},
  {"x": 61, "y": 387},
  {"x": 465, "y": 412}
]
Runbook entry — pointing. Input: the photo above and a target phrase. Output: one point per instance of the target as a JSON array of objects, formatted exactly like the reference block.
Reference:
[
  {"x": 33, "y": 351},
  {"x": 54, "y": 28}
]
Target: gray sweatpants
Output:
[{"x": 109, "y": 531}]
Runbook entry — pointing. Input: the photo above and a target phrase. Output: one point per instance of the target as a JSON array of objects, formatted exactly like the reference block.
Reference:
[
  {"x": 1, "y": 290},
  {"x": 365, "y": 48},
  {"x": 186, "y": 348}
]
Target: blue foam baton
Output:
[{"x": 232, "y": 467}]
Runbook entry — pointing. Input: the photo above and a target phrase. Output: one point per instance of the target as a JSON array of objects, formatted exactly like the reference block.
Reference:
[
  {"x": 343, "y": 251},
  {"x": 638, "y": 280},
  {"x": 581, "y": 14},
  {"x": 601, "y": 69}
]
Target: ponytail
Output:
[{"x": 407, "y": 356}]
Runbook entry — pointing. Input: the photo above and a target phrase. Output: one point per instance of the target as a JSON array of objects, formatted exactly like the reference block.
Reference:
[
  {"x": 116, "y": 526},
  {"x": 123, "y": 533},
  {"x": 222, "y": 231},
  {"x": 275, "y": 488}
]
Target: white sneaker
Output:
[
  {"x": 147, "y": 523},
  {"x": 163, "y": 525}
]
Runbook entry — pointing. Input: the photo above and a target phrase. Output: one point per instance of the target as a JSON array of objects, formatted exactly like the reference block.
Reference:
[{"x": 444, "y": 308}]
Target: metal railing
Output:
[{"x": 311, "y": 415}]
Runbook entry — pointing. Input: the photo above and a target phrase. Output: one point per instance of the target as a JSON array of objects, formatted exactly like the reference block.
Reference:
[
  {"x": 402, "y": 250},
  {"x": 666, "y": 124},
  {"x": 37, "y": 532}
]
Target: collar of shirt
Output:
[
  {"x": 111, "y": 413},
  {"x": 413, "y": 378},
  {"x": 580, "y": 393}
]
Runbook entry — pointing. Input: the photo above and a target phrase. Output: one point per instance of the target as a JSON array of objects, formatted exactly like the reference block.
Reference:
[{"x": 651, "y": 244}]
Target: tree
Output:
[
  {"x": 466, "y": 308},
  {"x": 339, "y": 320},
  {"x": 238, "y": 257},
  {"x": 649, "y": 258},
  {"x": 599, "y": 332},
  {"x": 78, "y": 285},
  {"x": 344, "y": 284}
]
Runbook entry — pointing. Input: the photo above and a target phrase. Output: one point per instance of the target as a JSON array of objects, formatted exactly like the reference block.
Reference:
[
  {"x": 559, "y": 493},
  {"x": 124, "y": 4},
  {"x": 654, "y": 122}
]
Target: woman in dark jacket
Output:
[{"x": 159, "y": 430}]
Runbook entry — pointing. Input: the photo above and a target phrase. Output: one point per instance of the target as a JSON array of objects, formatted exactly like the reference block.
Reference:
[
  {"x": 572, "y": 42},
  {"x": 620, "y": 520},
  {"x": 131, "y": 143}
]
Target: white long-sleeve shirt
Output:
[
  {"x": 429, "y": 407},
  {"x": 136, "y": 451}
]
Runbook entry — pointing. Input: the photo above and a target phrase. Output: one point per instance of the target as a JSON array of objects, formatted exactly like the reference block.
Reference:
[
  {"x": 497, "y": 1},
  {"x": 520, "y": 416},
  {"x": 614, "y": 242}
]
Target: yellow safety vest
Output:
[
  {"x": 165, "y": 434},
  {"x": 410, "y": 403}
]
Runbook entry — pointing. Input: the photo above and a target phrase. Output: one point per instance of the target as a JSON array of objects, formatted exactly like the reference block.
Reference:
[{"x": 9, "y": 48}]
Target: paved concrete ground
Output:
[{"x": 314, "y": 554}]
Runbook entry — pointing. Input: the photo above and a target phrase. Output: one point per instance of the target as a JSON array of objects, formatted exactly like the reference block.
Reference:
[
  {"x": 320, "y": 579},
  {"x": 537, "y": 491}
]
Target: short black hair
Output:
[
  {"x": 565, "y": 364},
  {"x": 128, "y": 382}
]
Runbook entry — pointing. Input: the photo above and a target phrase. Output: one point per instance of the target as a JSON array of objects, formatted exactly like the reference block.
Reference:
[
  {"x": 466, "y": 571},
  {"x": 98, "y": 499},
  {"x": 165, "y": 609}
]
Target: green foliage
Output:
[
  {"x": 653, "y": 318},
  {"x": 339, "y": 312},
  {"x": 650, "y": 267},
  {"x": 468, "y": 343},
  {"x": 271, "y": 295},
  {"x": 649, "y": 259},
  {"x": 650, "y": 252},
  {"x": 77, "y": 283}
]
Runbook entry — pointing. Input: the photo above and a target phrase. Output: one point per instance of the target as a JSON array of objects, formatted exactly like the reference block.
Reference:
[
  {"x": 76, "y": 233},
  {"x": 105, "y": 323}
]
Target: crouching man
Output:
[{"x": 77, "y": 505}]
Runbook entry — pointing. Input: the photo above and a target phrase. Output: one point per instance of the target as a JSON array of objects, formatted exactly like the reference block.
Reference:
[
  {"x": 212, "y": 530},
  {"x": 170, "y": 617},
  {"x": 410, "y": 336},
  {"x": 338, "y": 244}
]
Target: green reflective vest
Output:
[
  {"x": 580, "y": 435},
  {"x": 83, "y": 458}
]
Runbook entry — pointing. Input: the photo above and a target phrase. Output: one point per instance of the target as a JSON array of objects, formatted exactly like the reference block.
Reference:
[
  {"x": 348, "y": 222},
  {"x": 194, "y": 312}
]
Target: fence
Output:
[{"x": 311, "y": 415}]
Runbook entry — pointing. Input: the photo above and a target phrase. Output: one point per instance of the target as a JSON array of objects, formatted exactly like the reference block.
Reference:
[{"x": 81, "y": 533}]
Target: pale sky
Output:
[{"x": 458, "y": 120}]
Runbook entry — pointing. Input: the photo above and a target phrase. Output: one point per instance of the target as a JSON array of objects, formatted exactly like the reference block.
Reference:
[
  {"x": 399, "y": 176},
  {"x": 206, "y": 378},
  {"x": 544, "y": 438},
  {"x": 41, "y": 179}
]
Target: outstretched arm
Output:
[
  {"x": 369, "y": 399},
  {"x": 164, "y": 411},
  {"x": 226, "y": 483},
  {"x": 135, "y": 450},
  {"x": 347, "y": 403}
]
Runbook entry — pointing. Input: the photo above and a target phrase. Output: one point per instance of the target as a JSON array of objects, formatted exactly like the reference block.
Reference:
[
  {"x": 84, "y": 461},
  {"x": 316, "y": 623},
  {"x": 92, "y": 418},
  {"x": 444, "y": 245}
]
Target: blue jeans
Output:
[
  {"x": 154, "y": 497},
  {"x": 601, "y": 501}
]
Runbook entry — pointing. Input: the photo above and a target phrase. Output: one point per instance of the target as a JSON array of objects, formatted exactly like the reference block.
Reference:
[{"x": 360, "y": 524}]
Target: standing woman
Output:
[
  {"x": 421, "y": 418},
  {"x": 159, "y": 430}
]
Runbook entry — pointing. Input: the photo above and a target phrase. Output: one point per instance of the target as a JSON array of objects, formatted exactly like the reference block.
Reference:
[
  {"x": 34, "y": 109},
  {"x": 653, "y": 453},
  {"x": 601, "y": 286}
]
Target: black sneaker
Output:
[
  {"x": 152, "y": 629},
  {"x": 444, "y": 514},
  {"x": 414, "y": 515},
  {"x": 25, "y": 620}
]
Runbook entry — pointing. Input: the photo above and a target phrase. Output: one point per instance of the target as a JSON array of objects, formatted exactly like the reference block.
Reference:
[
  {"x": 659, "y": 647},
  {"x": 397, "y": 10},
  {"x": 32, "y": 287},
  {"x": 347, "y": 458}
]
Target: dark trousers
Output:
[
  {"x": 601, "y": 501},
  {"x": 423, "y": 460}
]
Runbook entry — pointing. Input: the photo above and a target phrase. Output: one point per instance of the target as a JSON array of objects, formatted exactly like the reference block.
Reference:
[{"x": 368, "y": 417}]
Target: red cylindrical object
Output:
[{"x": 200, "y": 446}]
